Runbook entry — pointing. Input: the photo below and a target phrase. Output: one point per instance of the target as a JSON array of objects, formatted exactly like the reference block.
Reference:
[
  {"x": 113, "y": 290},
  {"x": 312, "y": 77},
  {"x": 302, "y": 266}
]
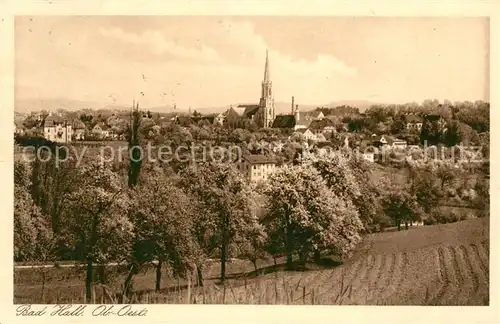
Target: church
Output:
[{"x": 262, "y": 114}]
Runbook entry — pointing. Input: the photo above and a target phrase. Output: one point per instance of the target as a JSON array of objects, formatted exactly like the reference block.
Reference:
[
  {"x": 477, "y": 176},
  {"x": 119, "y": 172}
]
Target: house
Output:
[
  {"x": 57, "y": 129},
  {"x": 18, "y": 127},
  {"x": 307, "y": 134},
  {"x": 386, "y": 141},
  {"x": 79, "y": 129},
  {"x": 257, "y": 167},
  {"x": 324, "y": 126},
  {"x": 369, "y": 156},
  {"x": 413, "y": 122},
  {"x": 313, "y": 115},
  {"x": 101, "y": 130}
]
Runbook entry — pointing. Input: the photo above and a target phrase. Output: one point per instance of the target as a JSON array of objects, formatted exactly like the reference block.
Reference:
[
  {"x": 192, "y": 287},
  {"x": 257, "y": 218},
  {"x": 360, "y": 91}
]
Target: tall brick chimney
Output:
[{"x": 293, "y": 104}]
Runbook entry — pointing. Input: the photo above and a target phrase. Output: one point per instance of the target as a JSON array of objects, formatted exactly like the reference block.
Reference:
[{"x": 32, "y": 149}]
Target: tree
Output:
[
  {"x": 400, "y": 206},
  {"x": 163, "y": 222},
  {"x": 430, "y": 132},
  {"x": 307, "y": 216},
  {"x": 96, "y": 223},
  {"x": 134, "y": 142},
  {"x": 226, "y": 200},
  {"x": 445, "y": 171},
  {"x": 32, "y": 234},
  {"x": 33, "y": 238},
  {"x": 398, "y": 125}
]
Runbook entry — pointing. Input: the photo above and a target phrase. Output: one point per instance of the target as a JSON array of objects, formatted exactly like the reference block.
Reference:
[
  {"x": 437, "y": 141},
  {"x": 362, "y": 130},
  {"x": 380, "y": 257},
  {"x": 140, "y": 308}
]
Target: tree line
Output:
[{"x": 139, "y": 213}]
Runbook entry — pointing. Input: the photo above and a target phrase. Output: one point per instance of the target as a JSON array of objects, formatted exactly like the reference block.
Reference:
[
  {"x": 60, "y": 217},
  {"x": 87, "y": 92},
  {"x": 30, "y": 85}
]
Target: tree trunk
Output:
[
  {"x": 223, "y": 262},
  {"x": 158, "y": 276},
  {"x": 302, "y": 257},
  {"x": 127, "y": 286},
  {"x": 199, "y": 271},
  {"x": 406, "y": 225},
  {"x": 254, "y": 262},
  {"x": 275, "y": 260},
  {"x": 102, "y": 273},
  {"x": 317, "y": 256},
  {"x": 289, "y": 247},
  {"x": 398, "y": 224},
  {"x": 88, "y": 281}
]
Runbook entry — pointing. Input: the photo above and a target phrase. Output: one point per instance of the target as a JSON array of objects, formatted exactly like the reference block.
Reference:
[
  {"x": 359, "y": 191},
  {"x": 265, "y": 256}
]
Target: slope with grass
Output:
[{"x": 430, "y": 265}]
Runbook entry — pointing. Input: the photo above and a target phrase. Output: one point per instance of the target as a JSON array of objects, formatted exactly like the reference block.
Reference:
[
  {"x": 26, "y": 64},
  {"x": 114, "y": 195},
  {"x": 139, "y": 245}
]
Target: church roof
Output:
[
  {"x": 239, "y": 110},
  {"x": 250, "y": 110},
  {"x": 284, "y": 121}
]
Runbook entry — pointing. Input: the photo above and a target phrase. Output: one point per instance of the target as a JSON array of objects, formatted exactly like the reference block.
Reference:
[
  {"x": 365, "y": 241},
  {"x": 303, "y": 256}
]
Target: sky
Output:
[{"x": 210, "y": 61}]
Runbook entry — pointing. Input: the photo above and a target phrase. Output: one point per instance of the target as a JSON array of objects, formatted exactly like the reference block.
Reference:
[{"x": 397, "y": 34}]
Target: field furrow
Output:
[
  {"x": 374, "y": 277},
  {"x": 360, "y": 294},
  {"x": 443, "y": 278},
  {"x": 482, "y": 258},
  {"x": 453, "y": 288},
  {"x": 467, "y": 283},
  {"x": 387, "y": 277}
]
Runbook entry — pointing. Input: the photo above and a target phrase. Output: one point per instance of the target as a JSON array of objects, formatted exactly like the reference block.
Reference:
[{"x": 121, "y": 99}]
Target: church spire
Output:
[{"x": 267, "y": 77}]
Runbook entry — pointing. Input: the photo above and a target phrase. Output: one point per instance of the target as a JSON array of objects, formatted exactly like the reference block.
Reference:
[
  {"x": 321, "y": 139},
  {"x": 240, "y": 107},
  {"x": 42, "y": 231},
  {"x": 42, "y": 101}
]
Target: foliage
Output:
[
  {"x": 226, "y": 200},
  {"x": 96, "y": 225},
  {"x": 164, "y": 225},
  {"x": 307, "y": 216}
]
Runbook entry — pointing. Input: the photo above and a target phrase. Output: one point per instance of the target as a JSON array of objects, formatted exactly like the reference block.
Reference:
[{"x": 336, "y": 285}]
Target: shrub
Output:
[{"x": 451, "y": 192}]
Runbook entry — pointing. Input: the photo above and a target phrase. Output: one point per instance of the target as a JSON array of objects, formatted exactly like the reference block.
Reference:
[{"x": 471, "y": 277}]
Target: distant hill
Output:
[
  {"x": 361, "y": 104},
  {"x": 29, "y": 105},
  {"x": 53, "y": 104}
]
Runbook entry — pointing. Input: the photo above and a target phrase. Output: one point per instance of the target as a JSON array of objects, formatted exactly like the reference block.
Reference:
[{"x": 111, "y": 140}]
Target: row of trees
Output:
[{"x": 139, "y": 213}]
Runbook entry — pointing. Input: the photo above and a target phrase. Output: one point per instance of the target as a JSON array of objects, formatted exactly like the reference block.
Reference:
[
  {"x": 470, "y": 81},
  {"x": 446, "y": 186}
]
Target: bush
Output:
[
  {"x": 430, "y": 221},
  {"x": 451, "y": 192}
]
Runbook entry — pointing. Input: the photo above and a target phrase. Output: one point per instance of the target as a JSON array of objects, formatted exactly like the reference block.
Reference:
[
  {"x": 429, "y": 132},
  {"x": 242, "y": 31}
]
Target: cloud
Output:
[
  {"x": 158, "y": 44},
  {"x": 243, "y": 35}
]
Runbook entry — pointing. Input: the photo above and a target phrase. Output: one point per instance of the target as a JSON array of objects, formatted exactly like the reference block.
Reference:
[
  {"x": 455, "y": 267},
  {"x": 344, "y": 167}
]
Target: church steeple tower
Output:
[
  {"x": 266, "y": 105},
  {"x": 267, "y": 77}
]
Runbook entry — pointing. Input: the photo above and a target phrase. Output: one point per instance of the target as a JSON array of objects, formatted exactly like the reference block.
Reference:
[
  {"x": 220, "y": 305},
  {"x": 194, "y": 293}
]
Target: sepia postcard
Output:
[{"x": 255, "y": 156}]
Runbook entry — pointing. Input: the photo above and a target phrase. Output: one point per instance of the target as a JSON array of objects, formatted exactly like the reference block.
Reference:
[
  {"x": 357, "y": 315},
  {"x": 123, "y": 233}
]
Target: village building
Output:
[
  {"x": 323, "y": 125},
  {"x": 57, "y": 129},
  {"x": 306, "y": 134},
  {"x": 18, "y": 127},
  {"x": 101, "y": 130},
  {"x": 385, "y": 141},
  {"x": 413, "y": 122},
  {"x": 257, "y": 167},
  {"x": 79, "y": 129}
]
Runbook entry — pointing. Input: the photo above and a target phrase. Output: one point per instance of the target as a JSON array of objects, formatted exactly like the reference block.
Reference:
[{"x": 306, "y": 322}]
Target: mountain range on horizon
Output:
[{"x": 31, "y": 105}]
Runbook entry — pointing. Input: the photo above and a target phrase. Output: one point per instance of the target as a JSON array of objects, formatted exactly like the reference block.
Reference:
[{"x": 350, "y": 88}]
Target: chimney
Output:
[
  {"x": 293, "y": 102},
  {"x": 297, "y": 113}
]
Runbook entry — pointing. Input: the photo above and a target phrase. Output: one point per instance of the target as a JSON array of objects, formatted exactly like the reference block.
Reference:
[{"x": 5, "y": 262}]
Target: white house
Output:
[
  {"x": 56, "y": 129},
  {"x": 257, "y": 167}
]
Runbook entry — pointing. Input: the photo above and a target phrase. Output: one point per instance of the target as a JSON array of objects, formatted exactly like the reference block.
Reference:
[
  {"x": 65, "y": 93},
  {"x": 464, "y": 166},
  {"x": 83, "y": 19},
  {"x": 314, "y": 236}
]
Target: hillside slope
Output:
[{"x": 432, "y": 265}]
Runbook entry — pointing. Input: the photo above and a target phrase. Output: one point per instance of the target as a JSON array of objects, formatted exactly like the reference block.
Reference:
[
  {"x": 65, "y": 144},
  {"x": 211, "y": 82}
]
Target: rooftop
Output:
[{"x": 259, "y": 159}]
